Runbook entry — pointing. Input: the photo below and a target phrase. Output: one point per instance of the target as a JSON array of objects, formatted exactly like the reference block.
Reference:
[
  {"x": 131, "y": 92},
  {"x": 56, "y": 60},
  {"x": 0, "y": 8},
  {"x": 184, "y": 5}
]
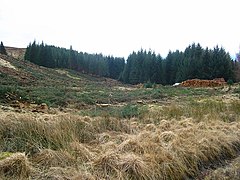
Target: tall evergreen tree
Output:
[
  {"x": 33, "y": 54},
  {"x": 27, "y": 52},
  {"x": 72, "y": 60},
  {"x": 157, "y": 70},
  {"x": 2, "y": 49},
  {"x": 237, "y": 67},
  {"x": 206, "y": 68},
  {"x": 128, "y": 67},
  {"x": 171, "y": 67}
]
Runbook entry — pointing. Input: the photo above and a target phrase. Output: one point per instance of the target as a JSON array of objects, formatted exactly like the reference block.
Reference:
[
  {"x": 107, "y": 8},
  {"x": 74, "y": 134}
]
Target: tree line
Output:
[
  {"x": 194, "y": 62},
  {"x": 142, "y": 66},
  {"x": 56, "y": 57}
]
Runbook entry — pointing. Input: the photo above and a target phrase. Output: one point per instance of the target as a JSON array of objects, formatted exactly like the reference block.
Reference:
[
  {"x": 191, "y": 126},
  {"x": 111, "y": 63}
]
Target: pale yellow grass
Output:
[
  {"x": 71, "y": 146},
  {"x": 6, "y": 64}
]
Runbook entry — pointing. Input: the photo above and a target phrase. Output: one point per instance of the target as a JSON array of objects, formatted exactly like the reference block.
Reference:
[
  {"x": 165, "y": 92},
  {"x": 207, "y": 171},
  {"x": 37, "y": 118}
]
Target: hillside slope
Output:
[
  {"x": 60, "y": 124},
  {"x": 17, "y": 53},
  {"x": 40, "y": 74},
  {"x": 41, "y": 83},
  {"x": 63, "y": 87}
]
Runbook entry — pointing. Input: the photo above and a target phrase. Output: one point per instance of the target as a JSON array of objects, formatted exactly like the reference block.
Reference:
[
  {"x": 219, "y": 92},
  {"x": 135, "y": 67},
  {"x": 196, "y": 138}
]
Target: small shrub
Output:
[
  {"x": 157, "y": 94},
  {"x": 230, "y": 82},
  {"x": 85, "y": 98},
  {"x": 173, "y": 111},
  {"x": 9, "y": 93},
  {"x": 3, "y": 75},
  {"x": 130, "y": 111},
  {"x": 148, "y": 85}
]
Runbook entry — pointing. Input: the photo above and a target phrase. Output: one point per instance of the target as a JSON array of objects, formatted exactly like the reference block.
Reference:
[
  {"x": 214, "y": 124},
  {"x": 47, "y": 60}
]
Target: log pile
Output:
[{"x": 203, "y": 83}]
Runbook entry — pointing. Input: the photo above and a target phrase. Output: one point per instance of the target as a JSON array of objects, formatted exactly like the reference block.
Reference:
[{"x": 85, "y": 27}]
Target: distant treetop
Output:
[{"x": 2, "y": 49}]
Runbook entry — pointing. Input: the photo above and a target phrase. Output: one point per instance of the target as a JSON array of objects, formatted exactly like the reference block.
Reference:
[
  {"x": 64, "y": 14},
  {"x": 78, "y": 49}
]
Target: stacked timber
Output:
[{"x": 203, "y": 83}]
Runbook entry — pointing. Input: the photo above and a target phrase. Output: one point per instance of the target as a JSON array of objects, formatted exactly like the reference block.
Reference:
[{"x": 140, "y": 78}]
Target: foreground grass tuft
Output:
[
  {"x": 15, "y": 166},
  {"x": 114, "y": 148}
]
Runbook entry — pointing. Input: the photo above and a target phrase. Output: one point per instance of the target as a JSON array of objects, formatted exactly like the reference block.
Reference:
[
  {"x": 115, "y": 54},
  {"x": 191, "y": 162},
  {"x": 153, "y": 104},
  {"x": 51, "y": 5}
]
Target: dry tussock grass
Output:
[
  {"x": 108, "y": 146},
  {"x": 51, "y": 158},
  {"x": 104, "y": 138},
  {"x": 131, "y": 145},
  {"x": 135, "y": 126},
  {"x": 102, "y": 124},
  {"x": 134, "y": 167},
  {"x": 16, "y": 166},
  {"x": 165, "y": 125},
  {"x": 167, "y": 136},
  {"x": 181, "y": 149},
  {"x": 111, "y": 148},
  {"x": 84, "y": 176},
  {"x": 81, "y": 152},
  {"x": 65, "y": 173},
  {"x": 108, "y": 164},
  {"x": 150, "y": 127}
]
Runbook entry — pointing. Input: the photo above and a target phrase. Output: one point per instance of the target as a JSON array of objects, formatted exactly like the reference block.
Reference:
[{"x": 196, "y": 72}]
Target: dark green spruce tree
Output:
[{"x": 2, "y": 49}]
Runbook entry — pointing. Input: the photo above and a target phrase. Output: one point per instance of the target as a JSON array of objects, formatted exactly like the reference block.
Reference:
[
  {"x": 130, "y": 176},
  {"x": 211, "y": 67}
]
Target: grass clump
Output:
[
  {"x": 15, "y": 166},
  {"x": 4, "y": 155},
  {"x": 204, "y": 110},
  {"x": 103, "y": 124},
  {"x": 130, "y": 111},
  {"x": 134, "y": 167},
  {"x": 230, "y": 82},
  {"x": 108, "y": 164},
  {"x": 149, "y": 85},
  {"x": 81, "y": 152},
  {"x": 237, "y": 90},
  {"x": 123, "y": 112},
  {"x": 131, "y": 145},
  {"x": 25, "y": 134},
  {"x": 50, "y": 158}
]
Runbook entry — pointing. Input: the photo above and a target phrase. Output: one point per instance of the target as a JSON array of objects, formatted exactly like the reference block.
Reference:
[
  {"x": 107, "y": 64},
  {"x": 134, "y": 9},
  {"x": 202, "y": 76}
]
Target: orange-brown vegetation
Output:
[{"x": 203, "y": 83}]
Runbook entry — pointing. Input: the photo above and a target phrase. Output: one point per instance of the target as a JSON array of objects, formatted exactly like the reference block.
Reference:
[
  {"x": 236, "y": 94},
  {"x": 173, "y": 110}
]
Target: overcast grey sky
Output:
[{"x": 117, "y": 27}]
